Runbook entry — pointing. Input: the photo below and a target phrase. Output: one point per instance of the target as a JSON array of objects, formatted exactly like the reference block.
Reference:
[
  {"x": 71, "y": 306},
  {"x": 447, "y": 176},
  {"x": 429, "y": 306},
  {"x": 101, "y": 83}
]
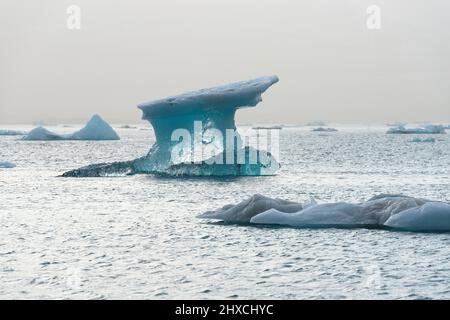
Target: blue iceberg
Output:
[
  {"x": 196, "y": 135},
  {"x": 428, "y": 129},
  {"x": 95, "y": 129}
]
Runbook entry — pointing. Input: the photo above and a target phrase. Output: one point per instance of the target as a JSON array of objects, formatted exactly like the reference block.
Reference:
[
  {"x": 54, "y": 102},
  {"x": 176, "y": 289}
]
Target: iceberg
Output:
[
  {"x": 4, "y": 132},
  {"x": 6, "y": 165},
  {"x": 420, "y": 140},
  {"x": 428, "y": 129},
  {"x": 383, "y": 211},
  {"x": 95, "y": 129},
  {"x": 196, "y": 135},
  {"x": 322, "y": 129},
  {"x": 40, "y": 133},
  {"x": 315, "y": 123}
]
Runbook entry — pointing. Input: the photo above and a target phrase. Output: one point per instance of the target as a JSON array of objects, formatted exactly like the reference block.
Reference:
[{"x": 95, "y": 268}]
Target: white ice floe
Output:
[
  {"x": 428, "y": 129},
  {"x": 95, "y": 129},
  {"x": 393, "y": 211},
  {"x": 6, "y": 165}
]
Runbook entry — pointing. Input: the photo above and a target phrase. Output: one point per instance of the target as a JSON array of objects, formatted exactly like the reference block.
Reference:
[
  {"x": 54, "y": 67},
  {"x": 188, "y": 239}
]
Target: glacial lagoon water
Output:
[{"x": 139, "y": 236}]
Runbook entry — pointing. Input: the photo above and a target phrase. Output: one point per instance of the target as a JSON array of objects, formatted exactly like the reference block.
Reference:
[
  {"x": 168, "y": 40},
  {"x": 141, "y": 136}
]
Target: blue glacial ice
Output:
[
  {"x": 388, "y": 211},
  {"x": 95, "y": 129},
  {"x": 427, "y": 129},
  {"x": 196, "y": 135},
  {"x": 6, "y": 165}
]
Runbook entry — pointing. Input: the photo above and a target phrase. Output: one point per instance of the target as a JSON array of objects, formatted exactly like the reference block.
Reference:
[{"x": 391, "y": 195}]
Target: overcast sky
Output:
[{"x": 331, "y": 66}]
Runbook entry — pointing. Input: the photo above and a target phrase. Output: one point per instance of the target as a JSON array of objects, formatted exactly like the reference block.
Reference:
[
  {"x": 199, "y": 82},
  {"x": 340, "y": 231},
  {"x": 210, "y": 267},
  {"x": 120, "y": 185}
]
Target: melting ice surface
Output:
[
  {"x": 392, "y": 211},
  {"x": 95, "y": 129},
  {"x": 211, "y": 109}
]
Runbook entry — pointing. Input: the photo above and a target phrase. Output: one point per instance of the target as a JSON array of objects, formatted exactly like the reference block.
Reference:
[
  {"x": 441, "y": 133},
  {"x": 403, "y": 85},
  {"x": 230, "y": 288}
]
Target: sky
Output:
[{"x": 331, "y": 66}]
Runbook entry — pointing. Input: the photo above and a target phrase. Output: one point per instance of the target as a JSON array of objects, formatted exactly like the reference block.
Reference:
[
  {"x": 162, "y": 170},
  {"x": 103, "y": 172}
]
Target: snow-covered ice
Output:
[
  {"x": 393, "y": 211},
  {"x": 212, "y": 109},
  {"x": 95, "y": 129}
]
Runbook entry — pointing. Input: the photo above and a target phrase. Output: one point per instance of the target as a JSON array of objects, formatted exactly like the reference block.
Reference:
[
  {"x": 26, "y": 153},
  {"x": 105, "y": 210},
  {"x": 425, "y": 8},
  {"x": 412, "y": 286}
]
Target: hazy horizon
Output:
[{"x": 331, "y": 66}]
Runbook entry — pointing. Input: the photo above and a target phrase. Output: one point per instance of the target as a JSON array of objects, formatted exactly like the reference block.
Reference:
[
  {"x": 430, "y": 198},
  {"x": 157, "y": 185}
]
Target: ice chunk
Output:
[
  {"x": 393, "y": 211},
  {"x": 431, "y": 216},
  {"x": 6, "y": 165},
  {"x": 322, "y": 129},
  {"x": 428, "y": 129},
  {"x": 247, "y": 209},
  {"x": 40, "y": 133},
  {"x": 197, "y": 114},
  {"x": 4, "y": 132},
  {"x": 95, "y": 129}
]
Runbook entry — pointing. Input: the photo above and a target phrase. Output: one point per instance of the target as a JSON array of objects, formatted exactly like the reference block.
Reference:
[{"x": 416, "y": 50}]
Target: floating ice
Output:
[
  {"x": 40, "y": 133},
  {"x": 95, "y": 129},
  {"x": 193, "y": 114},
  {"x": 322, "y": 129},
  {"x": 315, "y": 124},
  {"x": 393, "y": 211},
  {"x": 4, "y": 132},
  {"x": 420, "y": 140},
  {"x": 428, "y": 129},
  {"x": 6, "y": 165}
]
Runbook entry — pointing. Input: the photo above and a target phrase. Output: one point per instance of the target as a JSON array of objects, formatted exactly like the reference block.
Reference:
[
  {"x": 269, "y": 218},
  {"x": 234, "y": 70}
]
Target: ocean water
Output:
[{"x": 139, "y": 237}]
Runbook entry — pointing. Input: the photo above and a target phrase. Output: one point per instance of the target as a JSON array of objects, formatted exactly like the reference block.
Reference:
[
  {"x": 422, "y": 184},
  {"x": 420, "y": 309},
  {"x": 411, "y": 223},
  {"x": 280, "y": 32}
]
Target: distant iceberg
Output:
[
  {"x": 428, "y": 129},
  {"x": 186, "y": 125},
  {"x": 385, "y": 211},
  {"x": 315, "y": 124},
  {"x": 95, "y": 129},
  {"x": 6, "y": 165},
  {"x": 423, "y": 140},
  {"x": 322, "y": 129},
  {"x": 4, "y": 132}
]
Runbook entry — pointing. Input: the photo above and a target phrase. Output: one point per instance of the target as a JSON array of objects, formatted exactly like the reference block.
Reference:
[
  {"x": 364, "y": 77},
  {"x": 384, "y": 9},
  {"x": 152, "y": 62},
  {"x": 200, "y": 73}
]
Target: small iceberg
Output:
[
  {"x": 276, "y": 127},
  {"x": 428, "y": 129},
  {"x": 4, "y": 132},
  {"x": 196, "y": 135},
  {"x": 95, "y": 129},
  {"x": 423, "y": 140},
  {"x": 322, "y": 129},
  {"x": 6, "y": 165},
  {"x": 382, "y": 211},
  {"x": 316, "y": 124}
]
